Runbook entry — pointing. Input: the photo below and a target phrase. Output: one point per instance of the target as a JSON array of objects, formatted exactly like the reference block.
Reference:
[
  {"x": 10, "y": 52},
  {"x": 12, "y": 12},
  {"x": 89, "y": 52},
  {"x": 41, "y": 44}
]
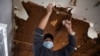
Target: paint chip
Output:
[
  {"x": 97, "y": 4},
  {"x": 53, "y": 23},
  {"x": 73, "y": 2},
  {"x": 92, "y": 33}
]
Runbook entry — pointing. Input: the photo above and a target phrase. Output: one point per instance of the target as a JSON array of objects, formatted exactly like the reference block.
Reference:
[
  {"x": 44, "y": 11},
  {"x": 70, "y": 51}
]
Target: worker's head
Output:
[{"x": 48, "y": 41}]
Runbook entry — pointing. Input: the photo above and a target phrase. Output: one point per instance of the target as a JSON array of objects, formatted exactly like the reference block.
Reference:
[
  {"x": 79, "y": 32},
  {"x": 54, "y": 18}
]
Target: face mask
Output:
[{"x": 48, "y": 44}]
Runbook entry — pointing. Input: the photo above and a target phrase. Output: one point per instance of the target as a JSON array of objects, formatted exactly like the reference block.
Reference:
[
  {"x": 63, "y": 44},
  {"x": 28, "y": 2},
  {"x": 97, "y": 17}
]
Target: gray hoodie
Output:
[{"x": 40, "y": 50}]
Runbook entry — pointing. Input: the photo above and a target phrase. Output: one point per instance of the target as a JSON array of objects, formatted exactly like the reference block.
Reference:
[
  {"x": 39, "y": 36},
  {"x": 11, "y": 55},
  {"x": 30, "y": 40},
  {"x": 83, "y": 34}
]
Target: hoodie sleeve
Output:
[
  {"x": 38, "y": 41},
  {"x": 71, "y": 45},
  {"x": 68, "y": 49}
]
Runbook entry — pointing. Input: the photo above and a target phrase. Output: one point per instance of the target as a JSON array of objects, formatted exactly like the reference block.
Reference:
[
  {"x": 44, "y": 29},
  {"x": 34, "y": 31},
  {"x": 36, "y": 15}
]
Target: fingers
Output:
[
  {"x": 66, "y": 22},
  {"x": 50, "y": 5}
]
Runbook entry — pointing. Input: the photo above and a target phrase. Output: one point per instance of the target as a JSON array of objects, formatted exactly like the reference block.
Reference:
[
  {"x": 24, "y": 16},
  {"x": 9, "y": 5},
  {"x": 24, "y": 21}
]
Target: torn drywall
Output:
[
  {"x": 92, "y": 32},
  {"x": 24, "y": 33},
  {"x": 19, "y": 10},
  {"x": 83, "y": 9}
]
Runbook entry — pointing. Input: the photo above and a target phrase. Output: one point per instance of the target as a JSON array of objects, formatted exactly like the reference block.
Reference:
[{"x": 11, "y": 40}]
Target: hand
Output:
[
  {"x": 68, "y": 25},
  {"x": 49, "y": 8}
]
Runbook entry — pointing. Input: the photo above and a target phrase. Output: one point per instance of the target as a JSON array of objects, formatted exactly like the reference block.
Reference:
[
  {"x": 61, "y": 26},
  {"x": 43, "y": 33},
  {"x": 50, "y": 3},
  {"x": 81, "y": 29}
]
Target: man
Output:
[{"x": 43, "y": 44}]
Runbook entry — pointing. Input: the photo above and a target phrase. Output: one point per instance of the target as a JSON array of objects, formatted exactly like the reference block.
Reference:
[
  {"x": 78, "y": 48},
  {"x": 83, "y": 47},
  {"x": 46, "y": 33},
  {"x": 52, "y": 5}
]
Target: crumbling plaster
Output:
[{"x": 83, "y": 10}]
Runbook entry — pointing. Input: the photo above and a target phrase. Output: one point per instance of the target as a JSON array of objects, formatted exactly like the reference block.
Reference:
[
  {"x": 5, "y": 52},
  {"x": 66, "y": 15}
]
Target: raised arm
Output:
[
  {"x": 68, "y": 25},
  {"x": 38, "y": 36},
  {"x": 71, "y": 37},
  {"x": 45, "y": 19}
]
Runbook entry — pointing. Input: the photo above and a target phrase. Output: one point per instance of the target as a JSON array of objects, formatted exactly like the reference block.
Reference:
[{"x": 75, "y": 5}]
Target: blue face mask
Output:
[{"x": 48, "y": 44}]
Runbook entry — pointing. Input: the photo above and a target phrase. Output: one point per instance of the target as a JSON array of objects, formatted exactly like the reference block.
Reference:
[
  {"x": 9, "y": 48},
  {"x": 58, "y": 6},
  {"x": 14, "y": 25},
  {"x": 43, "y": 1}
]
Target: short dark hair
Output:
[{"x": 48, "y": 35}]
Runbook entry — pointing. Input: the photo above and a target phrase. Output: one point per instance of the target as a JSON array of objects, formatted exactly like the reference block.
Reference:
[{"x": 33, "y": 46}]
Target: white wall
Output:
[{"x": 6, "y": 18}]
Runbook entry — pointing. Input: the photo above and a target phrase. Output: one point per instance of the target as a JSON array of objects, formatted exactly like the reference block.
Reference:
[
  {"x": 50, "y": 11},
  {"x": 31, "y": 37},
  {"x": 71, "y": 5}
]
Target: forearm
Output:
[
  {"x": 71, "y": 36},
  {"x": 70, "y": 31},
  {"x": 44, "y": 21}
]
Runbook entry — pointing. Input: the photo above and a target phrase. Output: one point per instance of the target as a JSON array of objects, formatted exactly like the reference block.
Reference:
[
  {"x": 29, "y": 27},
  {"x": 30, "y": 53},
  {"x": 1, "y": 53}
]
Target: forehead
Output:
[{"x": 48, "y": 39}]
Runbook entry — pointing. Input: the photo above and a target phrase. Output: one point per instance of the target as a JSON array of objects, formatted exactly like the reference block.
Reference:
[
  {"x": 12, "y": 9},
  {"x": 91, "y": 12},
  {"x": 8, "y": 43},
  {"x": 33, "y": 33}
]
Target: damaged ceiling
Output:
[
  {"x": 83, "y": 21},
  {"x": 85, "y": 10},
  {"x": 88, "y": 10}
]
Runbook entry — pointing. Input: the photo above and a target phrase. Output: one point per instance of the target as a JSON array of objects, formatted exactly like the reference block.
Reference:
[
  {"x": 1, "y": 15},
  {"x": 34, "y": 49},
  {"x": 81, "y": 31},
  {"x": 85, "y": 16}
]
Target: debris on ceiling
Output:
[
  {"x": 23, "y": 38},
  {"x": 81, "y": 10}
]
